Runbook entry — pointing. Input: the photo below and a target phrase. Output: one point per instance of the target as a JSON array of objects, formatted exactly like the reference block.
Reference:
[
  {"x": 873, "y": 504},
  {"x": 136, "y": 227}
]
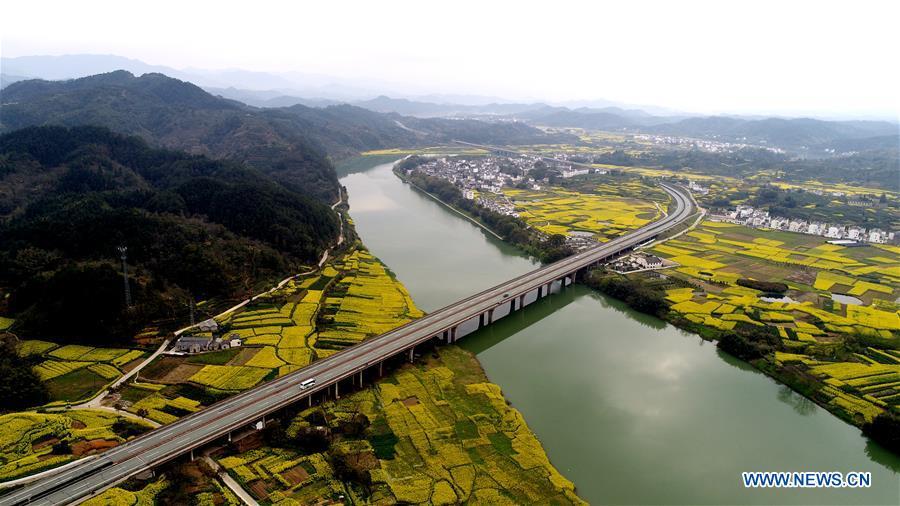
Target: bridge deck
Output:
[{"x": 161, "y": 445}]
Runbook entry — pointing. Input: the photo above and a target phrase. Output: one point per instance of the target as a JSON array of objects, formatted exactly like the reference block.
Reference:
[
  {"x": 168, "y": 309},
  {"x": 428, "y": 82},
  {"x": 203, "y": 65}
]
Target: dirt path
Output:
[{"x": 325, "y": 255}]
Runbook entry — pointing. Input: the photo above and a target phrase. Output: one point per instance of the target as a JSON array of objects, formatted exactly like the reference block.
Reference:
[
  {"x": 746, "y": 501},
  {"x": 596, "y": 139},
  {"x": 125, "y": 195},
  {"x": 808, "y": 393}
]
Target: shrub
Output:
[
  {"x": 885, "y": 430},
  {"x": 763, "y": 286}
]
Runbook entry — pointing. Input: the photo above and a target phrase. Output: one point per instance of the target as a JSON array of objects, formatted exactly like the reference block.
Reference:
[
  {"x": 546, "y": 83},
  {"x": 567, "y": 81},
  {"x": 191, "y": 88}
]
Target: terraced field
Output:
[
  {"x": 74, "y": 372},
  {"x": 31, "y": 442},
  {"x": 438, "y": 433},
  {"x": 352, "y": 298},
  {"x": 559, "y": 211},
  {"x": 811, "y": 325}
]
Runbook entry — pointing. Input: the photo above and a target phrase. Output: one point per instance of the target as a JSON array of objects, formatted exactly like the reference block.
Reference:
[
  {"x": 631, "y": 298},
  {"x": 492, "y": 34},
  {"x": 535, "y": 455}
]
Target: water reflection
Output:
[
  {"x": 631, "y": 409},
  {"x": 801, "y": 404}
]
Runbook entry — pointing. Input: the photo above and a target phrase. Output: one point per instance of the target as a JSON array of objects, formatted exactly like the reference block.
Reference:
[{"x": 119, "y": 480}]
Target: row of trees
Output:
[{"x": 512, "y": 229}]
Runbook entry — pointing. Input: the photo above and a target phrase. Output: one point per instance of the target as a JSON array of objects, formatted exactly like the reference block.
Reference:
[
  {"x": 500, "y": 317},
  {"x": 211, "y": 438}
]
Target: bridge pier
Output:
[
  {"x": 411, "y": 351},
  {"x": 380, "y": 369},
  {"x": 452, "y": 334},
  {"x": 522, "y": 300},
  {"x": 490, "y": 318},
  {"x": 512, "y": 305}
]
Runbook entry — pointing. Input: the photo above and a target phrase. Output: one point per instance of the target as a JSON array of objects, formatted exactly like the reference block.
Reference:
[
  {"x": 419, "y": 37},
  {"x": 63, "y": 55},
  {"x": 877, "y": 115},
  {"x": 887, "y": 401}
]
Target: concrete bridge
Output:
[{"x": 350, "y": 367}]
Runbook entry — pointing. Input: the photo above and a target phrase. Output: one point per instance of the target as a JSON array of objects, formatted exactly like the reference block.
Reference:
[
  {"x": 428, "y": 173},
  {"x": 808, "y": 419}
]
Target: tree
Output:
[
  {"x": 142, "y": 412},
  {"x": 885, "y": 429},
  {"x": 62, "y": 448},
  {"x": 20, "y": 386}
]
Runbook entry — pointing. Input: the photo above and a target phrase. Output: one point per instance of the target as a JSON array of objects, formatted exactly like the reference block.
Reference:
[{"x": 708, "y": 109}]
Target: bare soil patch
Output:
[
  {"x": 158, "y": 369},
  {"x": 93, "y": 446},
  {"x": 259, "y": 489},
  {"x": 411, "y": 401},
  {"x": 131, "y": 365},
  {"x": 44, "y": 442},
  {"x": 78, "y": 424},
  {"x": 244, "y": 356},
  {"x": 181, "y": 373},
  {"x": 296, "y": 475}
]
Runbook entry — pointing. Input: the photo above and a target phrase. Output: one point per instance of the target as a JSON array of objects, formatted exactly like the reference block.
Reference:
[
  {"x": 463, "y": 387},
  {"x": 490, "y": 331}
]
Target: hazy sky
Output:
[{"x": 824, "y": 57}]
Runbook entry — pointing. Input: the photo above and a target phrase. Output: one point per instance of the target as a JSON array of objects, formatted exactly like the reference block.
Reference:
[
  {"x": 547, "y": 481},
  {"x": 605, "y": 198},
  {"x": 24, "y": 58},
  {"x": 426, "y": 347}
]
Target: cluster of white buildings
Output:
[
  {"x": 710, "y": 146},
  {"x": 638, "y": 262},
  {"x": 697, "y": 188},
  {"x": 752, "y": 217},
  {"x": 482, "y": 174}
]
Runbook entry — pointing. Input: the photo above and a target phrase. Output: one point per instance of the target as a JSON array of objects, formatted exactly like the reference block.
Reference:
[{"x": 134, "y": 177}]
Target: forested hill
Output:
[
  {"x": 174, "y": 114},
  {"x": 192, "y": 225},
  {"x": 290, "y": 143}
]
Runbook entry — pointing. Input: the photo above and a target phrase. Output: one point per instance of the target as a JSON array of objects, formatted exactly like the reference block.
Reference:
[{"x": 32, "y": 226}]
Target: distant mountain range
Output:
[
  {"x": 289, "y": 142},
  {"x": 315, "y": 92}
]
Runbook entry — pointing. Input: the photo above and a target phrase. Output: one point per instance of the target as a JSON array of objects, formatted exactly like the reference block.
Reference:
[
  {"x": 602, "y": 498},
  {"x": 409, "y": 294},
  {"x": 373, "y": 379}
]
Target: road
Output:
[{"x": 198, "y": 429}]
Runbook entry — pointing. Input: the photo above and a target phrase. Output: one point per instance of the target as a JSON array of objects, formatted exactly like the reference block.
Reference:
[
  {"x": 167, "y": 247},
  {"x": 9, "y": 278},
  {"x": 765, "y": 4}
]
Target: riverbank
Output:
[
  {"x": 433, "y": 432},
  {"x": 777, "y": 338},
  {"x": 617, "y": 399}
]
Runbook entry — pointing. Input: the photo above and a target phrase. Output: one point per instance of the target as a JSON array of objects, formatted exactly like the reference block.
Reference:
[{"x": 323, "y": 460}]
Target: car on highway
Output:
[{"x": 307, "y": 383}]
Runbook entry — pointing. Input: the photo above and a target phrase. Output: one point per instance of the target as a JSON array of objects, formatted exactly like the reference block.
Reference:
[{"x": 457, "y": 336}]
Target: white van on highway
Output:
[{"x": 307, "y": 383}]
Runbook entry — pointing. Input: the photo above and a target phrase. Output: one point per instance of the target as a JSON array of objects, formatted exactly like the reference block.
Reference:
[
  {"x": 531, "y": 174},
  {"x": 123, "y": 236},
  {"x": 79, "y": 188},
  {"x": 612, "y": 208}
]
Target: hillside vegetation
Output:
[
  {"x": 290, "y": 143},
  {"x": 192, "y": 226}
]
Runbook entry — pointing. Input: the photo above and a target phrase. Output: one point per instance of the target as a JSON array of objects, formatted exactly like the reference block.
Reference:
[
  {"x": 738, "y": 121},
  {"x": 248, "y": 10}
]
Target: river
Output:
[{"x": 628, "y": 407}]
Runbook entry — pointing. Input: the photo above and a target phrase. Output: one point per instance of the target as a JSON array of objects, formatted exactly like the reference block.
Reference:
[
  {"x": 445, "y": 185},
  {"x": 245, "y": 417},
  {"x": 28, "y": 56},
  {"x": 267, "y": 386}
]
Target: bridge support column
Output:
[
  {"x": 380, "y": 369},
  {"x": 512, "y": 305},
  {"x": 309, "y": 397},
  {"x": 192, "y": 455},
  {"x": 337, "y": 394},
  {"x": 522, "y": 300},
  {"x": 453, "y": 335},
  {"x": 411, "y": 352},
  {"x": 540, "y": 291},
  {"x": 229, "y": 436},
  {"x": 361, "y": 378},
  {"x": 481, "y": 320},
  {"x": 490, "y": 318}
]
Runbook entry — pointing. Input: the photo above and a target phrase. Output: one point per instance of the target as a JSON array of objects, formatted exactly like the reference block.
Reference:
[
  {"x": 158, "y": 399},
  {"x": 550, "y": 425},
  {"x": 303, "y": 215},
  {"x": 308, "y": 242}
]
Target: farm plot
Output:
[
  {"x": 74, "y": 372},
  {"x": 558, "y": 211},
  {"x": 807, "y": 320},
  {"x": 29, "y": 441},
  {"x": 436, "y": 433},
  {"x": 367, "y": 301}
]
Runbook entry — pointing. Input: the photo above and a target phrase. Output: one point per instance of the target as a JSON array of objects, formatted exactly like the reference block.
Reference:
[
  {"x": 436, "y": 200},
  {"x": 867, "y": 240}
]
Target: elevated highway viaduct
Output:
[{"x": 447, "y": 325}]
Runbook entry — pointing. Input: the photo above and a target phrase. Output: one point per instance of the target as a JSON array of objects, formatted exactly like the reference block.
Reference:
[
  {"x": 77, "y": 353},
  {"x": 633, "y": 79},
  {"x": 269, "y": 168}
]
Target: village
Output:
[
  {"x": 846, "y": 234},
  {"x": 489, "y": 175},
  {"x": 709, "y": 146}
]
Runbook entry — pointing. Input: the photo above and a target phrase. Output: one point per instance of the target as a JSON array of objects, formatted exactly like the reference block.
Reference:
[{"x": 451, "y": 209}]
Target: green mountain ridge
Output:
[{"x": 192, "y": 225}]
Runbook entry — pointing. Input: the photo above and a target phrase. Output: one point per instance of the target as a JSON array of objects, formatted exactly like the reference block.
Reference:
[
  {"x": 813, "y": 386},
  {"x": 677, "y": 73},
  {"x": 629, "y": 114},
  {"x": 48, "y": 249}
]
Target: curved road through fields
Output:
[{"x": 161, "y": 445}]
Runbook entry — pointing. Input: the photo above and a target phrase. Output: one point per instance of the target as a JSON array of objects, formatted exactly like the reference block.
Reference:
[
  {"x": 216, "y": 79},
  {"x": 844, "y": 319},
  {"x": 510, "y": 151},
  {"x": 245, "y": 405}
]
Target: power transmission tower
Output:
[{"x": 123, "y": 250}]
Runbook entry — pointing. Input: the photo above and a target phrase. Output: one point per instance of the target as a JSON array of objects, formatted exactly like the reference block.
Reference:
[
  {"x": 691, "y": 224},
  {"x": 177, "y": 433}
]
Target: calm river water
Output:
[{"x": 631, "y": 409}]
